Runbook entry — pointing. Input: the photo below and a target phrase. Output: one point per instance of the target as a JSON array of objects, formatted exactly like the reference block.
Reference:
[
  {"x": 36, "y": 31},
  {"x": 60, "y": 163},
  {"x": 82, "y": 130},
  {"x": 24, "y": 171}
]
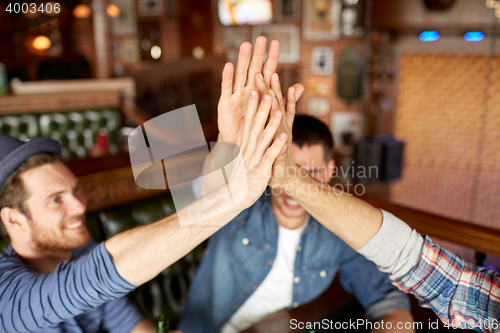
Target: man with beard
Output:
[{"x": 53, "y": 278}]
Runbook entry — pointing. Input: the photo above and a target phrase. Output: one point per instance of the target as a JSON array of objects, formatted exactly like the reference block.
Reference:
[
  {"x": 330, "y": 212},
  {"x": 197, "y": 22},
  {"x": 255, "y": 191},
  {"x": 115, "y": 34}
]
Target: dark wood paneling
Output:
[
  {"x": 111, "y": 188},
  {"x": 195, "y": 26}
]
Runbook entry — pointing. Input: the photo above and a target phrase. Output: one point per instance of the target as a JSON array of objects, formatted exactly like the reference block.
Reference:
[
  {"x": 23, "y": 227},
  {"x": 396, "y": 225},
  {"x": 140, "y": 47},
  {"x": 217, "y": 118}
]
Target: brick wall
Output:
[
  {"x": 83, "y": 39},
  {"x": 303, "y": 65},
  {"x": 306, "y": 77},
  {"x": 170, "y": 38}
]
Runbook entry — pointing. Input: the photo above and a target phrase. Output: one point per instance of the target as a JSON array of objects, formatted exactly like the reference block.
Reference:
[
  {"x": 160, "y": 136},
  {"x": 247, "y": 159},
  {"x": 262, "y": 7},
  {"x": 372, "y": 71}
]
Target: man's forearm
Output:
[
  {"x": 396, "y": 249},
  {"x": 350, "y": 218},
  {"x": 143, "y": 252}
]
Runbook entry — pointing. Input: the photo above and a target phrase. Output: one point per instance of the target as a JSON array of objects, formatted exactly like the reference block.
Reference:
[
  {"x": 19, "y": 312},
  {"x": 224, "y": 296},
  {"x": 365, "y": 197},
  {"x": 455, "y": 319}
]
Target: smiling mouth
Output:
[
  {"x": 292, "y": 203},
  {"x": 74, "y": 225}
]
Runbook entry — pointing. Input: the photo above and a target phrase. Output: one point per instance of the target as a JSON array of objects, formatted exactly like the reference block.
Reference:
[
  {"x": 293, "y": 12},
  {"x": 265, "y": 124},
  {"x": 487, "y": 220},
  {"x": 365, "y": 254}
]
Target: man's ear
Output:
[
  {"x": 330, "y": 168},
  {"x": 330, "y": 165},
  {"x": 13, "y": 220}
]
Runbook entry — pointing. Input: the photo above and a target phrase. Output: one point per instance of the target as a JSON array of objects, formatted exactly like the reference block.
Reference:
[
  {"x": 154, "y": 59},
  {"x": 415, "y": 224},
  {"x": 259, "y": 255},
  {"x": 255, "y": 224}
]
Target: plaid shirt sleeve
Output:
[{"x": 461, "y": 294}]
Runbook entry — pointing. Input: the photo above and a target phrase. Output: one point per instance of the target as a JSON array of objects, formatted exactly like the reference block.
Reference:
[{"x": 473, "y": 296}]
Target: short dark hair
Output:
[
  {"x": 13, "y": 193},
  {"x": 308, "y": 131}
]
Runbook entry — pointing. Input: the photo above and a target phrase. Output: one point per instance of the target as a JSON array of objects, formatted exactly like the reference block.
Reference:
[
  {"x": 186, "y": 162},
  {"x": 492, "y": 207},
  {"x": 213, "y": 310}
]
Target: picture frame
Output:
[
  {"x": 126, "y": 22},
  {"x": 318, "y": 106},
  {"x": 150, "y": 7},
  {"x": 322, "y": 60},
  {"x": 287, "y": 35},
  {"x": 346, "y": 127},
  {"x": 321, "y": 19},
  {"x": 286, "y": 10},
  {"x": 128, "y": 49},
  {"x": 319, "y": 86}
]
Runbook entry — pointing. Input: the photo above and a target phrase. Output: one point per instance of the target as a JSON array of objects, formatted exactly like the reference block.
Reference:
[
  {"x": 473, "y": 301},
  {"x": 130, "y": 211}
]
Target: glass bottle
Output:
[{"x": 162, "y": 324}]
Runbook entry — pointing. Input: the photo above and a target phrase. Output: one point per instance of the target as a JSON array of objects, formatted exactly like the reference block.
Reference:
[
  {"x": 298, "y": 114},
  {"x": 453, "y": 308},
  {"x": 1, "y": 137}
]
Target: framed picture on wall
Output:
[
  {"x": 286, "y": 10},
  {"x": 322, "y": 60},
  {"x": 150, "y": 7},
  {"x": 321, "y": 19},
  {"x": 318, "y": 106},
  {"x": 346, "y": 127},
  {"x": 128, "y": 49},
  {"x": 319, "y": 86},
  {"x": 287, "y": 35},
  {"x": 126, "y": 22}
]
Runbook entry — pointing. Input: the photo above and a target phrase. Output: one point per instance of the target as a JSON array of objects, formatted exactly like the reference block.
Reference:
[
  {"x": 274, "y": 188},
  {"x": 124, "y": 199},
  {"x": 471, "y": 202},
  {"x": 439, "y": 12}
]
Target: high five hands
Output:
[
  {"x": 254, "y": 115},
  {"x": 251, "y": 73}
]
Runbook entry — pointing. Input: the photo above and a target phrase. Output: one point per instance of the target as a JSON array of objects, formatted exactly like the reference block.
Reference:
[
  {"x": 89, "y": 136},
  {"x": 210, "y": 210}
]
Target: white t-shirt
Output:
[{"x": 276, "y": 291}]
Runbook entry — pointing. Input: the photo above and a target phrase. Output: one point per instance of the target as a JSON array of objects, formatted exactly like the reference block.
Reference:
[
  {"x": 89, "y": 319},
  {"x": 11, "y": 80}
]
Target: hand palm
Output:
[{"x": 230, "y": 113}]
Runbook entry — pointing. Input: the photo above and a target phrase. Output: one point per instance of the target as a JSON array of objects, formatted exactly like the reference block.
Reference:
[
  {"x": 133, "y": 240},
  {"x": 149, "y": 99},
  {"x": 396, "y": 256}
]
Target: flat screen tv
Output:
[{"x": 241, "y": 12}]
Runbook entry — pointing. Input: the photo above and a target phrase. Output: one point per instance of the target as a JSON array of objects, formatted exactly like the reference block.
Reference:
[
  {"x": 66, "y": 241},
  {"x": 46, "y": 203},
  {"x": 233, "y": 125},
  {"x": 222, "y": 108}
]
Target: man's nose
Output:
[{"x": 78, "y": 204}]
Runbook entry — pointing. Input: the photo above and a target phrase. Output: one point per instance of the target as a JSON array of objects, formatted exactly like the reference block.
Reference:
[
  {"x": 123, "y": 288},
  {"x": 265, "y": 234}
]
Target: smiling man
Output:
[
  {"x": 54, "y": 278},
  {"x": 313, "y": 151},
  {"x": 43, "y": 213}
]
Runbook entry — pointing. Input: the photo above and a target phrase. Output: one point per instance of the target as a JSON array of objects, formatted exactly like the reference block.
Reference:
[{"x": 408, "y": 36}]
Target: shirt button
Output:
[
  {"x": 299, "y": 248},
  {"x": 236, "y": 306},
  {"x": 254, "y": 286},
  {"x": 245, "y": 241},
  {"x": 270, "y": 262},
  {"x": 275, "y": 231},
  {"x": 295, "y": 304},
  {"x": 322, "y": 274},
  {"x": 296, "y": 279},
  {"x": 266, "y": 246}
]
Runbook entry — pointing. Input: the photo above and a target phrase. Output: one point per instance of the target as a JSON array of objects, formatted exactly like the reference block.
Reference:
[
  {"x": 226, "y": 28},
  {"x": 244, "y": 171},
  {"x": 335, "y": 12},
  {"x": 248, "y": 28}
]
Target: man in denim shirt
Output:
[{"x": 274, "y": 256}]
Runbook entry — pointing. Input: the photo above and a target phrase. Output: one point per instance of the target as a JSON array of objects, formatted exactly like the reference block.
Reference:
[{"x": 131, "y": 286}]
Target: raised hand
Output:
[
  {"x": 260, "y": 146},
  {"x": 285, "y": 166},
  {"x": 251, "y": 74}
]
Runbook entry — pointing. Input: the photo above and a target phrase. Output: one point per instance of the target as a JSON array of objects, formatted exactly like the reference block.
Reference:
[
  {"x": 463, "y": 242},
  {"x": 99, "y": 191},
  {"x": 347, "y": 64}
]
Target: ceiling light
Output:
[
  {"x": 473, "y": 36},
  {"x": 155, "y": 52},
  {"x": 113, "y": 10},
  {"x": 81, "y": 11},
  {"x": 429, "y": 36},
  {"x": 41, "y": 43}
]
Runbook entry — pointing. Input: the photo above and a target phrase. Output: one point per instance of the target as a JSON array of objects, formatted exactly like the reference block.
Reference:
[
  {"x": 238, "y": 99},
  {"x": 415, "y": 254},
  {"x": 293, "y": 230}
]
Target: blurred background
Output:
[{"x": 406, "y": 86}]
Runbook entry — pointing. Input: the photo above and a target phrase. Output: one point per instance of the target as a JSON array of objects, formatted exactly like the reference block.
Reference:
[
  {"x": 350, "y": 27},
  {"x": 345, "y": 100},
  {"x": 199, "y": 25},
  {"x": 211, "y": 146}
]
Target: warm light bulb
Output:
[
  {"x": 198, "y": 52},
  {"x": 41, "y": 43},
  {"x": 113, "y": 10},
  {"x": 155, "y": 52},
  {"x": 81, "y": 11},
  {"x": 490, "y": 3}
]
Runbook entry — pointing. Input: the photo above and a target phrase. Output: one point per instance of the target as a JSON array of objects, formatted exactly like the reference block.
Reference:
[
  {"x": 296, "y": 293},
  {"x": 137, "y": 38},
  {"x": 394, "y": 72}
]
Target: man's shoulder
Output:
[
  {"x": 10, "y": 260},
  {"x": 84, "y": 249},
  {"x": 11, "y": 264}
]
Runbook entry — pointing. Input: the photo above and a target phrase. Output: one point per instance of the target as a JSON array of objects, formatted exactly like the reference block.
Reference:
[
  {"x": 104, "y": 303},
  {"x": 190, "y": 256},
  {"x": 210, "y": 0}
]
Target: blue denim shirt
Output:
[{"x": 231, "y": 271}]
